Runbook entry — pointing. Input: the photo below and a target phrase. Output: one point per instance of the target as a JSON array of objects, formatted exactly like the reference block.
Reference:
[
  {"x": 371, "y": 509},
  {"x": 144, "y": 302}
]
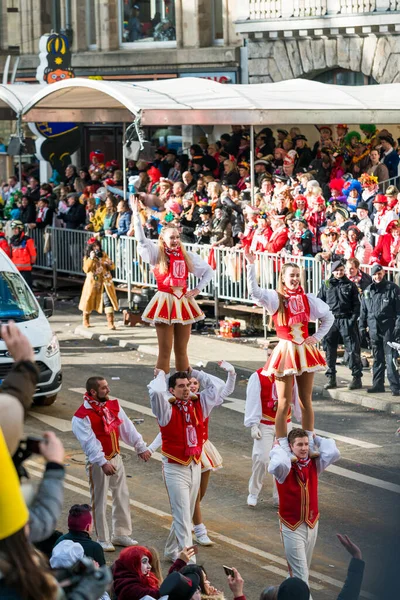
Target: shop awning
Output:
[
  {"x": 194, "y": 101},
  {"x": 13, "y": 98}
]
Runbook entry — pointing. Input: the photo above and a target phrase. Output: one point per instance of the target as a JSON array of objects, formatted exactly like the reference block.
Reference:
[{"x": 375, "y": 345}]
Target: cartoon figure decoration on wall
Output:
[{"x": 56, "y": 141}]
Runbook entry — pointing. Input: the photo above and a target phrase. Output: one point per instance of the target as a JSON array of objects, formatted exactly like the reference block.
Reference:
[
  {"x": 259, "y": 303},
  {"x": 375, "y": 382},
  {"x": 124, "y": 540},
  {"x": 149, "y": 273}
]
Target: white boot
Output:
[{"x": 200, "y": 535}]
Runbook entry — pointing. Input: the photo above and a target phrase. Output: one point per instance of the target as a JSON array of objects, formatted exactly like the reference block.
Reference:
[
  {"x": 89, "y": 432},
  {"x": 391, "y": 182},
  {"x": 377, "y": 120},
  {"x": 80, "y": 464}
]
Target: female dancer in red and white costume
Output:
[
  {"x": 173, "y": 309},
  {"x": 296, "y": 354}
]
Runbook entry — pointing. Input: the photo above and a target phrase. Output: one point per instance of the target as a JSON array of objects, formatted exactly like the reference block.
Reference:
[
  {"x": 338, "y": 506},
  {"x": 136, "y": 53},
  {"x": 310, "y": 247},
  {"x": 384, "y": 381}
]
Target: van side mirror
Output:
[{"x": 47, "y": 305}]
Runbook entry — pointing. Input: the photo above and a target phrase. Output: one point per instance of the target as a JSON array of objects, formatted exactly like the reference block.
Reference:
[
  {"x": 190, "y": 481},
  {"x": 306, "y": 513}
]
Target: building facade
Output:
[{"x": 347, "y": 42}]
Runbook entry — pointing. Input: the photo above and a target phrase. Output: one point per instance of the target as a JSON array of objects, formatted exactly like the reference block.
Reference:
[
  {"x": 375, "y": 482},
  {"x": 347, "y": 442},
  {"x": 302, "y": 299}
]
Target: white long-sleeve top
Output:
[
  {"x": 280, "y": 463},
  {"x": 210, "y": 396},
  {"x": 269, "y": 299},
  {"x": 226, "y": 391},
  {"x": 82, "y": 430},
  {"x": 253, "y": 408},
  {"x": 148, "y": 250}
]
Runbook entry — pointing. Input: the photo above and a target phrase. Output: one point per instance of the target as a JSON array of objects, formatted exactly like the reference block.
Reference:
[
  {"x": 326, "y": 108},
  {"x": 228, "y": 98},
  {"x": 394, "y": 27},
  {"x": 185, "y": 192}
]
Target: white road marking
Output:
[
  {"x": 237, "y": 405},
  {"x": 56, "y": 422},
  {"x": 266, "y": 555},
  {"x": 385, "y": 485},
  {"x": 65, "y": 426}
]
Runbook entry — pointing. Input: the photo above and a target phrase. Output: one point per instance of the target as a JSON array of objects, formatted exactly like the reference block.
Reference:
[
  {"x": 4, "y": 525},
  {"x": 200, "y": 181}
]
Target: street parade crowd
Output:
[{"x": 336, "y": 200}]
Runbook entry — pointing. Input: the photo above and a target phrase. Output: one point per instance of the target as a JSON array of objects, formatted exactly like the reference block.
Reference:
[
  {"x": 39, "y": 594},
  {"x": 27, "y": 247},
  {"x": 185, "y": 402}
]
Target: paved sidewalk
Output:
[{"x": 206, "y": 349}]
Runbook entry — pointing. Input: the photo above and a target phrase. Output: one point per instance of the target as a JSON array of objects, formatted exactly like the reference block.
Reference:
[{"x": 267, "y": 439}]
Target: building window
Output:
[
  {"x": 344, "y": 77},
  {"x": 147, "y": 21},
  {"x": 217, "y": 21},
  {"x": 91, "y": 23}
]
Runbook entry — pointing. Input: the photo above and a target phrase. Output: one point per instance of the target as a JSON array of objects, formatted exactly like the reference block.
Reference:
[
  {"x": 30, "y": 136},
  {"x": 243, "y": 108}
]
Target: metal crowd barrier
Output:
[{"x": 64, "y": 252}]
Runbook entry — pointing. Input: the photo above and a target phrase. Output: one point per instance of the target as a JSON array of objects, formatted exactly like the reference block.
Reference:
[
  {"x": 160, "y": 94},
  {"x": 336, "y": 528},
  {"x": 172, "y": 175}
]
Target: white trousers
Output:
[
  {"x": 260, "y": 458},
  {"x": 299, "y": 548},
  {"x": 120, "y": 512},
  {"x": 182, "y": 485}
]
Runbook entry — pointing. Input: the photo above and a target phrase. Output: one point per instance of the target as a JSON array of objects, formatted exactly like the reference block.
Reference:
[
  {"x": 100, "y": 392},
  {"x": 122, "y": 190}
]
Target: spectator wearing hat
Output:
[
  {"x": 378, "y": 169},
  {"x": 300, "y": 239},
  {"x": 380, "y": 313},
  {"x": 45, "y": 214},
  {"x": 370, "y": 189},
  {"x": 342, "y": 297},
  {"x": 352, "y": 191},
  {"x": 341, "y": 131},
  {"x": 303, "y": 152},
  {"x": 289, "y": 162},
  {"x": 281, "y": 134},
  {"x": 324, "y": 141},
  {"x": 203, "y": 230},
  {"x": 181, "y": 587},
  {"x": 364, "y": 222},
  {"x": 389, "y": 156},
  {"x": 316, "y": 219},
  {"x": 382, "y": 216},
  {"x": 262, "y": 233},
  {"x": 167, "y": 162},
  {"x": 80, "y": 526},
  {"x": 360, "y": 159},
  {"x": 97, "y": 219},
  {"x": 329, "y": 242},
  {"x": 384, "y": 251},
  {"x": 261, "y": 167},
  {"x": 357, "y": 246},
  {"x": 23, "y": 251},
  {"x": 336, "y": 187}
]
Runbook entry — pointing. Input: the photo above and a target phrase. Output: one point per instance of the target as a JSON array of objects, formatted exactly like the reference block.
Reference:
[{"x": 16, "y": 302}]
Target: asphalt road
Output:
[{"x": 359, "y": 496}]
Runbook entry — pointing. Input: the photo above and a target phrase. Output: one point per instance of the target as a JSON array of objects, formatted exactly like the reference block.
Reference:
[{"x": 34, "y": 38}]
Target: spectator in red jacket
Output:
[
  {"x": 4, "y": 245},
  {"x": 382, "y": 253},
  {"x": 279, "y": 236}
]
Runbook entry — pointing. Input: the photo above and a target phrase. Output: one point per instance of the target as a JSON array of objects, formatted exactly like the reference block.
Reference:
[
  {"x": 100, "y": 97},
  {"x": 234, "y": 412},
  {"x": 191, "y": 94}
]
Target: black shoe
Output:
[
  {"x": 395, "y": 393},
  {"x": 331, "y": 383},
  {"x": 356, "y": 384},
  {"x": 376, "y": 389}
]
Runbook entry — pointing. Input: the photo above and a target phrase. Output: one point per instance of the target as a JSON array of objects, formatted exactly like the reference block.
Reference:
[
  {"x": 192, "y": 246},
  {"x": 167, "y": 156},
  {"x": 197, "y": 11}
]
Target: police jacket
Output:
[
  {"x": 380, "y": 309},
  {"x": 341, "y": 295}
]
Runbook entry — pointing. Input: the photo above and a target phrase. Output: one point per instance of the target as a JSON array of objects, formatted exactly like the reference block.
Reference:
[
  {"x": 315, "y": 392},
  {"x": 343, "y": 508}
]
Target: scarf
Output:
[
  {"x": 111, "y": 421},
  {"x": 353, "y": 246},
  {"x": 297, "y": 306},
  {"x": 187, "y": 410},
  {"x": 178, "y": 271},
  {"x": 301, "y": 464}
]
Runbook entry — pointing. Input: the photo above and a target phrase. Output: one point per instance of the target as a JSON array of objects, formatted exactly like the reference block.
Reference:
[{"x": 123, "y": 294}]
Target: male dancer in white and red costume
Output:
[
  {"x": 181, "y": 417},
  {"x": 98, "y": 424},
  {"x": 260, "y": 414},
  {"x": 297, "y": 484}
]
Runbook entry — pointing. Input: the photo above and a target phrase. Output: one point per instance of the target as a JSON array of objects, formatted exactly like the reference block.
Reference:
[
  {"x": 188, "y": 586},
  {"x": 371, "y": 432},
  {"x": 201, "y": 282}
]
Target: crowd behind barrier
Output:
[{"x": 61, "y": 251}]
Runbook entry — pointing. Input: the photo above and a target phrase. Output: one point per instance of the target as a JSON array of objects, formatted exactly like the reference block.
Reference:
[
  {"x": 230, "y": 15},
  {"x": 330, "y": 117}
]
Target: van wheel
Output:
[{"x": 45, "y": 400}]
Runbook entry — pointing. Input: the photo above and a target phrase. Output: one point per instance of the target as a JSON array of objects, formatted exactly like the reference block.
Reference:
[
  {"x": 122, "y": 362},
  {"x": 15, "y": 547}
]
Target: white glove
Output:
[
  {"x": 256, "y": 432},
  {"x": 226, "y": 366}
]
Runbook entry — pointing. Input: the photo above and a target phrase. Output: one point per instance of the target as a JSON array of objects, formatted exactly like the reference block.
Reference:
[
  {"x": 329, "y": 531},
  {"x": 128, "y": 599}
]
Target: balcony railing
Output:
[{"x": 277, "y": 9}]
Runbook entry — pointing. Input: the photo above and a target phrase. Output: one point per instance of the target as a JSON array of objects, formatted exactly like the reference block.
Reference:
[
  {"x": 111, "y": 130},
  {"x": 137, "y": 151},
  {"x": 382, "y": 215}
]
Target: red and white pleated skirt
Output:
[
  {"x": 288, "y": 358},
  {"x": 169, "y": 309},
  {"x": 210, "y": 459}
]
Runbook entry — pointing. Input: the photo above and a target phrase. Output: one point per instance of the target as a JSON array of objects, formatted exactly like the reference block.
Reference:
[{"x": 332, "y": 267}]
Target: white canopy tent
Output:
[
  {"x": 13, "y": 98},
  {"x": 193, "y": 101}
]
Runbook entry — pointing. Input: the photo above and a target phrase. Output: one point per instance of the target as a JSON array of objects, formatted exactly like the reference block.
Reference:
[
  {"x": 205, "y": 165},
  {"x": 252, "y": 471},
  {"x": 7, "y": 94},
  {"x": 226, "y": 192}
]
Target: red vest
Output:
[
  {"x": 176, "y": 277},
  {"x": 173, "y": 435},
  {"x": 296, "y": 332},
  {"x": 109, "y": 441},
  {"x": 269, "y": 399},
  {"x": 298, "y": 500}
]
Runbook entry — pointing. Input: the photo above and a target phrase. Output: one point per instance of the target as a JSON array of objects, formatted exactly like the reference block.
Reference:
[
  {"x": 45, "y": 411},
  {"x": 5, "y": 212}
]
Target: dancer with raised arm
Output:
[
  {"x": 296, "y": 354},
  {"x": 173, "y": 309}
]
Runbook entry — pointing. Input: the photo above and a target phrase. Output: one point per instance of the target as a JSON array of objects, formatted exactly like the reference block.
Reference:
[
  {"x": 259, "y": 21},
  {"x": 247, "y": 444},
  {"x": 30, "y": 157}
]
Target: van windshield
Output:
[{"x": 16, "y": 300}]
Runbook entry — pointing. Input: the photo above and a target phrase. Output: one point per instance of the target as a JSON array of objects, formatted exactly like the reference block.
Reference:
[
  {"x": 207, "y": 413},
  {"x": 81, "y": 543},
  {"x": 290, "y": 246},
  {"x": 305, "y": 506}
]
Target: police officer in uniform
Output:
[
  {"x": 380, "y": 312},
  {"x": 342, "y": 297}
]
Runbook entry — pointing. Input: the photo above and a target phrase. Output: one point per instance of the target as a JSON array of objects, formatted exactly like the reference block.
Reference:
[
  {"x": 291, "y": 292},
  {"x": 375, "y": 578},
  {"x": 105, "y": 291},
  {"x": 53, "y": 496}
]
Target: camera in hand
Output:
[
  {"x": 70, "y": 577},
  {"x": 27, "y": 447}
]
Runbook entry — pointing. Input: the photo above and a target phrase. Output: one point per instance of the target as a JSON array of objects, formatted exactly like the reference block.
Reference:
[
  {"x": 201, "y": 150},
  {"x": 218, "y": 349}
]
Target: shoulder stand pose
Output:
[
  {"x": 296, "y": 354},
  {"x": 173, "y": 309},
  {"x": 297, "y": 484},
  {"x": 260, "y": 415},
  {"x": 181, "y": 417}
]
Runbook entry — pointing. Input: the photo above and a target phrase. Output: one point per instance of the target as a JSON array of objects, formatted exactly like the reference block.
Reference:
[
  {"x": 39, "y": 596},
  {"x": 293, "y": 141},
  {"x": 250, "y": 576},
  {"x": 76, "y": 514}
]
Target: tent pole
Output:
[
  {"x": 252, "y": 163},
  {"x": 124, "y": 159}
]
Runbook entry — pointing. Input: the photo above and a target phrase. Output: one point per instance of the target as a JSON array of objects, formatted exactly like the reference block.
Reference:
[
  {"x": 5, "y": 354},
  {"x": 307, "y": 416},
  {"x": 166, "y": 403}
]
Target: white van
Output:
[{"x": 18, "y": 303}]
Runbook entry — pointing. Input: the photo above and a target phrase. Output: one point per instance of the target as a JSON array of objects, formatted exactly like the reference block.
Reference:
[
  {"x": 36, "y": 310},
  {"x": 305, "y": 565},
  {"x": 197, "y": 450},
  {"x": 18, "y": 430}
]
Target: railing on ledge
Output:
[{"x": 286, "y": 9}]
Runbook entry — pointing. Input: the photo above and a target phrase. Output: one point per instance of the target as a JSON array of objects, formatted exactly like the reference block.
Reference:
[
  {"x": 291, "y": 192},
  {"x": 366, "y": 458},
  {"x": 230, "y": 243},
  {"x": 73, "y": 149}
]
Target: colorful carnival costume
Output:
[
  {"x": 292, "y": 356},
  {"x": 170, "y": 305}
]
